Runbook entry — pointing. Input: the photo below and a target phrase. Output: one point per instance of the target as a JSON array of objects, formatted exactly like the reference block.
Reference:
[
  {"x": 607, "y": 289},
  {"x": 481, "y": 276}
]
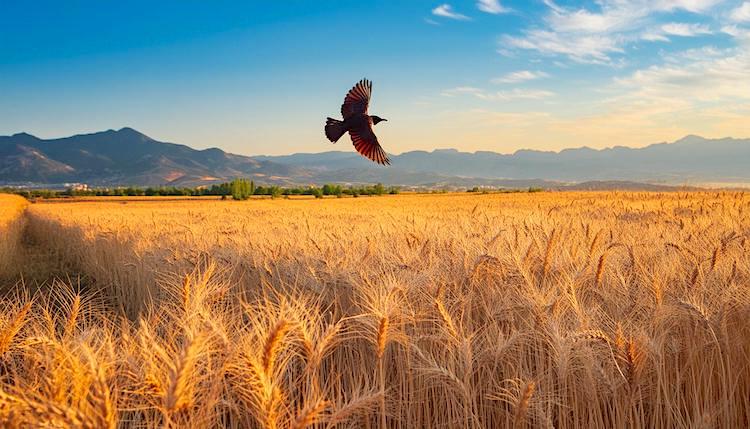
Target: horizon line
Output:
[{"x": 128, "y": 128}]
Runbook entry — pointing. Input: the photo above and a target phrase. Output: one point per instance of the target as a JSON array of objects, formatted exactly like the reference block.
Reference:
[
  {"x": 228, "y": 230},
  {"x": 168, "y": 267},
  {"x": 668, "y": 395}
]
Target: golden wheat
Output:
[
  {"x": 11, "y": 228},
  {"x": 472, "y": 311}
]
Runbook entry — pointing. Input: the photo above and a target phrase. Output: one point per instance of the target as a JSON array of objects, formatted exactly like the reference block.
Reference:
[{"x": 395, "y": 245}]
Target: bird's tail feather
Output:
[{"x": 334, "y": 129}]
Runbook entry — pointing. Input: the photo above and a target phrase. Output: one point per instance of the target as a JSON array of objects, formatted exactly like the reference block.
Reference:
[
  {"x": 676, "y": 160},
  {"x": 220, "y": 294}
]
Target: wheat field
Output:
[
  {"x": 11, "y": 228},
  {"x": 551, "y": 310}
]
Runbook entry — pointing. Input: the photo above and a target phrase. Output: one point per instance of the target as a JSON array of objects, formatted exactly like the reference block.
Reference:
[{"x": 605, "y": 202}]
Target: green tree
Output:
[
  {"x": 240, "y": 189},
  {"x": 329, "y": 189}
]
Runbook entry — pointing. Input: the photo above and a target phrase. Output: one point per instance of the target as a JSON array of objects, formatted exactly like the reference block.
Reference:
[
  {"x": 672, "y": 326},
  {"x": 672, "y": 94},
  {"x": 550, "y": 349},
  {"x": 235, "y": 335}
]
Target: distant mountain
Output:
[
  {"x": 692, "y": 159},
  {"x": 127, "y": 157}
]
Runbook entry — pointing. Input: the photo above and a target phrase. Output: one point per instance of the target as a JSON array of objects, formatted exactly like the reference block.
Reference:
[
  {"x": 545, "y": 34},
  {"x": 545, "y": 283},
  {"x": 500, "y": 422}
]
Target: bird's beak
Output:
[{"x": 383, "y": 119}]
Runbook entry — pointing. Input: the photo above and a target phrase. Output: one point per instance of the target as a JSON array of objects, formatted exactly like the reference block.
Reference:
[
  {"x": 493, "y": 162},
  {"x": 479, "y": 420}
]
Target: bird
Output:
[{"x": 358, "y": 123}]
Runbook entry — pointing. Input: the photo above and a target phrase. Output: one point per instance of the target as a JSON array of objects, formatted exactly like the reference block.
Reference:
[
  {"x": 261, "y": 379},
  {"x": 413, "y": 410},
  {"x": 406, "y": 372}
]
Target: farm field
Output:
[{"x": 598, "y": 310}]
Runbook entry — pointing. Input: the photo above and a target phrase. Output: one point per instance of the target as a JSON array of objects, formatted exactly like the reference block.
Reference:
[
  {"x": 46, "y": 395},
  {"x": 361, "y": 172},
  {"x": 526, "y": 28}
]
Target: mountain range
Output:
[{"x": 128, "y": 157}]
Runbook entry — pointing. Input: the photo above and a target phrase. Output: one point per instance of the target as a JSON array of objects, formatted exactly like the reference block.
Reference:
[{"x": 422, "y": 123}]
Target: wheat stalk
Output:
[
  {"x": 75, "y": 309},
  {"x": 548, "y": 253},
  {"x": 272, "y": 345},
  {"x": 178, "y": 394},
  {"x": 600, "y": 269},
  {"x": 447, "y": 319},
  {"x": 522, "y": 404},
  {"x": 11, "y": 329},
  {"x": 310, "y": 415}
]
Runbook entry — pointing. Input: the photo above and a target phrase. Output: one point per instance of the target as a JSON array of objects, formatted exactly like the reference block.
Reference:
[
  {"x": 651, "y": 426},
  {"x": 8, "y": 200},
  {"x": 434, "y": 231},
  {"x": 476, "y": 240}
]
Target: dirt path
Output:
[{"x": 39, "y": 266}]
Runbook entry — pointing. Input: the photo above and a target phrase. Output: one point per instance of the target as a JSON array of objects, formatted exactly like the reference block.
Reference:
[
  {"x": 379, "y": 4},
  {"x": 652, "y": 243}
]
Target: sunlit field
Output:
[
  {"x": 542, "y": 310},
  {"x": 11, "y": 227}
]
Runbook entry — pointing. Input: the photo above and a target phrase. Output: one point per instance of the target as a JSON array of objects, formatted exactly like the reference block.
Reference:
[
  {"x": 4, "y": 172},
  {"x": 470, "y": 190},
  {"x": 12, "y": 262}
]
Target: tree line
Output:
[{"x": 238, "y": 189}]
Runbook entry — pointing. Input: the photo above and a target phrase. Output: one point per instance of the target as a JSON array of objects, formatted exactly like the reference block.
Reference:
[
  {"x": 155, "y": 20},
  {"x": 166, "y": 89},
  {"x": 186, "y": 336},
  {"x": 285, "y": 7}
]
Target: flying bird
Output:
[{"x": 358, "y": 123}]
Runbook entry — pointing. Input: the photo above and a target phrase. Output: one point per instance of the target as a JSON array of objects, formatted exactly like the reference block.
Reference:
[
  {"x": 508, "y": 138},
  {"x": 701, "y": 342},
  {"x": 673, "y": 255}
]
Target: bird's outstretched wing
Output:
[
  {"x": 357, "y": 100},
  {"x": 366, "y": 143}
]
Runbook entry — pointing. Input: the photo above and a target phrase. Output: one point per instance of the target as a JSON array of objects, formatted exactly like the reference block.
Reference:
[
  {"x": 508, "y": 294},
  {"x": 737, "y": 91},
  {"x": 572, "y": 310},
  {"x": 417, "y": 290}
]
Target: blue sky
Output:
[{"x": 260, "y": 77}]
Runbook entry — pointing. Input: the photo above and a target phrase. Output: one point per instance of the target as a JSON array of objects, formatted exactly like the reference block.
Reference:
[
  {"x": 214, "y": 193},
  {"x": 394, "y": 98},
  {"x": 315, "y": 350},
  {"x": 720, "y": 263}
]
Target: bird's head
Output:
[{"x": 376, "y": 119}]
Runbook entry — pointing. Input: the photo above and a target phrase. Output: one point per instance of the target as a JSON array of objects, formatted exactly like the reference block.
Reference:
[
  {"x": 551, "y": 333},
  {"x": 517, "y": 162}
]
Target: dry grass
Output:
[{"x": 531, "y": 310}]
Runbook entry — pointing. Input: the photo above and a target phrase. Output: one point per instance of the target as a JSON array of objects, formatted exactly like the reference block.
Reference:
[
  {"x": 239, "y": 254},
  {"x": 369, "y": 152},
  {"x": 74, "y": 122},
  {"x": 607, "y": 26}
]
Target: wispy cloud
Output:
[
  {"x": 446, "y": 11},
  {"x": 594, "y": 35},
  {"x": 695, "y": 6},
  {"x": 520, "y": 76},
  {"x": 699, "y": 90},
  {"x": 676, "y": 29},
  {"x": 665, "y": 92},
  {"x": 460, "y": 90},
  {"x": 696, "y": 75},
  {"x": 512, "y": 119},
  {"x": 685, "y": 30},
  {"x": 655, "y": 36},
  {"x": 738, "y": 33},
  {"x": 742, "y": 13},
  {"x": 515, "y": 94},
  {"x": 586, "y": 48},
  {"x": 492, "y": 6}
]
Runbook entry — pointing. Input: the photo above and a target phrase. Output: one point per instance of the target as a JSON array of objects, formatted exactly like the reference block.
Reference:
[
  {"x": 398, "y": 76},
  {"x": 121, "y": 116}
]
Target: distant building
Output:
[{"x": 79, "y": 187}]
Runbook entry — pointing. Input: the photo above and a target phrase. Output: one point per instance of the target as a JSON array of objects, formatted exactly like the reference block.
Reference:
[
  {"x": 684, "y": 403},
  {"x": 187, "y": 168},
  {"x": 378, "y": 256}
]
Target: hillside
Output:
[
  {"x": 692, "y": 160},
  {"x": 128, "y": 157}
]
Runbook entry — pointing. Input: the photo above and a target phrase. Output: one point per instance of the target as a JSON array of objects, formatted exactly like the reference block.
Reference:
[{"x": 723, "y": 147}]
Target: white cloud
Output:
[
  {"x": 459, "y": 90},
  {"x": 741, "y": 34},
  {"x": 695, "y": 54},
  {"x": 697, "y": 75},
  {"x": 742, "y": 13},
  {"x": 512, "y": 119},
  {"x": 672, "y": 93},
  {"x": 587, "y": 48},
  {"x": 731, "y": 30},
  {"x": 594, "y": 35},
  {"x": 523, "y": 94},
  {"x": 685, "y": 30},
  {"x": 491, "y": 6},
  {"x": 655, "y": 36},
  {"x": 446, "y": 11},
  {"x": 584, "y": 21},
  {"x": 694, "y": 91},
  {"x": 515, "y": 94},
  {"x": 676, "y": 29},
  {"x": 695, "y": 6},
  {"x": 520, "y": 76}
]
